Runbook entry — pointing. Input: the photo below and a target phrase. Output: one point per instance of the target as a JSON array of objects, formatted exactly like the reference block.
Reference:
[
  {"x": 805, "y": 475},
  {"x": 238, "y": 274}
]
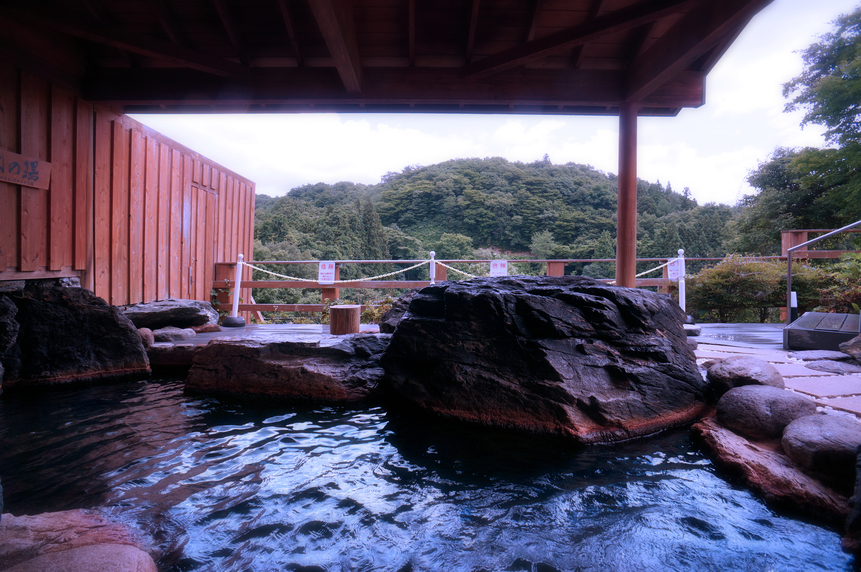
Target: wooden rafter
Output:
[
  {"x": 598, "y": 7},
  {"x": 697, "y": 32},
  {"x": 291, "y": 31},
  {"x": 168, "y": 23},
  {"x": 533, "y": 21},
  {"x": 610, "y": 23},
  {"x": 134, "y": 43},
  {"x": 473, "y": 23},
  {"x": 412, "y": 32},
  {"x": 230, "y": 27},
  {"x": 335, "y": 20}
]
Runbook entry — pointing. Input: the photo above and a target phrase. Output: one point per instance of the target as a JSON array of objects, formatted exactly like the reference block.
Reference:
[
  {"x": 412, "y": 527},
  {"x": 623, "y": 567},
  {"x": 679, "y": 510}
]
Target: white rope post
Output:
[
  {"x": 234, "y": 320},
  {"x": 682, "y": 279},
  {"x": 432, "y": 267}
]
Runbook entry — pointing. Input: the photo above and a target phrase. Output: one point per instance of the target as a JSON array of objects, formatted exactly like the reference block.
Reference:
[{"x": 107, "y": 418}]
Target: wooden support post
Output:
[
  {"x": 331, "y": 293},
  {"x": 626, "y": 232},
  {"x": 441, "y": 273},
  {"x": 344, "y": 319},
  {"x": 555, "y": 269}
]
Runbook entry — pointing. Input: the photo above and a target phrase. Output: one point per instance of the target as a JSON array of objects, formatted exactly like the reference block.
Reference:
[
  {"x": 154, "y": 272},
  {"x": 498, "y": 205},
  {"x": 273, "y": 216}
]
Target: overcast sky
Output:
[{"x": 710, "y": 149}]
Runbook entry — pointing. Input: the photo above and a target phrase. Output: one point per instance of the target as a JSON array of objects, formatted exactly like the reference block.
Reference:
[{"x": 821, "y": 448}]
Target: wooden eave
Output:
[{"x": 457, "y": 56}]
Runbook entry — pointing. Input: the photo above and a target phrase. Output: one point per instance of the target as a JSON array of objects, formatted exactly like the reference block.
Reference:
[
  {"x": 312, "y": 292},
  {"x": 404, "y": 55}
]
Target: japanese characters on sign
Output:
[
  {"x": 326, "y": 273},
  {"x": 27, "y": 171},
  {"x": 499, "y": 268},
  {"x": 674, "y": 269}
]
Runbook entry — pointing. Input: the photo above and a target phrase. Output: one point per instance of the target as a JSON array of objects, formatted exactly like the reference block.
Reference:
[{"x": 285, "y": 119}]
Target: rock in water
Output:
[
  {"x": 566, "y": 356},
  {"x": 69, "y": 335}
]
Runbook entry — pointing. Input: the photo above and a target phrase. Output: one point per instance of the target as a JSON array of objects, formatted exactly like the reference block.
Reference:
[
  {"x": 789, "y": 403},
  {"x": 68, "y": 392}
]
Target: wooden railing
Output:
[{"x": 225, "y": 271}]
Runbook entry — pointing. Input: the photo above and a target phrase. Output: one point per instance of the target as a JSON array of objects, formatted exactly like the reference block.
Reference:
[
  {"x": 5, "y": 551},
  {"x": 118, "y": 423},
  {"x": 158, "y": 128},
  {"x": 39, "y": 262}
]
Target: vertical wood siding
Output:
[{"x": 136, "y": 215}]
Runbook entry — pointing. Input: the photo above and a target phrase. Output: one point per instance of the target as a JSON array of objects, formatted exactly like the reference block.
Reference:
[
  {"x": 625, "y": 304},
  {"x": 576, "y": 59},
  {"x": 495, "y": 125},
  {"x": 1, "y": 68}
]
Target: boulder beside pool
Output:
[{"x": 567, "y": 356}]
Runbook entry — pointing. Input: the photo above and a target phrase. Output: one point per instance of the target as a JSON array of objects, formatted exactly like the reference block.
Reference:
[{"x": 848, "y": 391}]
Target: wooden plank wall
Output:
[{"x": 136, "y": 215}]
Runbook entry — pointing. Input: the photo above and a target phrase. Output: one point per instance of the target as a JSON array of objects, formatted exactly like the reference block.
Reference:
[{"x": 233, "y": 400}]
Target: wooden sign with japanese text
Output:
[{"x": 27, "y": 171}]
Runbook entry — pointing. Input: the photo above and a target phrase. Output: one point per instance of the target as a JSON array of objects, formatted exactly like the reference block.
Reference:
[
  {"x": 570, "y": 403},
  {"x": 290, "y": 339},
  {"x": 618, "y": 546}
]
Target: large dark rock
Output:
[
  {"x": 769, "y": 472},
  {"x": 392, "y": 317},
  {"x": 8, "y": 325},
  {"x": 736, "y": 371},
  {"x": 567, "y": 356},
  {"x": 172, "y": 312},
  {"x": 761, "y": 411},
  {"x": 852, "y": 538},
  {"x": 68, "y": 335},
  {"x": 342, "y": 368},
  {"x": 825, "y": 444}
]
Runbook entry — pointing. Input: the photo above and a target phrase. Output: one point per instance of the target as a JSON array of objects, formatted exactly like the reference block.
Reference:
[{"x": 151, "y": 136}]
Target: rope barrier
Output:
[
  {"x": 456, "y": 270},
  {"x": 413, "y": 267},
  {"x": 667, "y": 263}
]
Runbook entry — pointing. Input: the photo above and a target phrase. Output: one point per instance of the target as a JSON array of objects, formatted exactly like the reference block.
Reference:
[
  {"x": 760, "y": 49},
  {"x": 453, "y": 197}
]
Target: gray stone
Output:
[
  {"x": 693, "y": 329},
  {"x": 8, "y": 325},
  {"x": 11, "y": 285},
  {"x": 568, "y": 356},
  {"x": 68, "y": 335},
  {"x": 735, "y": 371},
  {"x": 831, "y": 366},
  {"x": 172, "y": 312},
  {"x": 852, "y": 348},
  {"x": 826, "y": 444},
  {"x": 331, "y": 368},
  {"x": 147, "y": 337},
  {"x": 816, "y": 355},
  {"x": 173, "y": 334},
  {"x": 71, "y": 541},
  {"x": 780, "y": 482},
  {"x": 761, "y": 411}
]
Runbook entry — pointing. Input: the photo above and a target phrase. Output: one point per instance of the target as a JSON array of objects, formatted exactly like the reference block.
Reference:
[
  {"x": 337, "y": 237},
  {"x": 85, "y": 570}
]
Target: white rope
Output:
[
  {"x": 667, "y": 263},
  {"x": 456, "y": 270},
  {"x": 340, "y": 281}
]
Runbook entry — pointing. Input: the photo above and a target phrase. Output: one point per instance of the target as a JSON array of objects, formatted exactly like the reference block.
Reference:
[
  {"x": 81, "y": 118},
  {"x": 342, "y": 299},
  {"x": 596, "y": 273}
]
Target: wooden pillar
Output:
[
  {"x": 555, "y": 269},
  {"x": 345, "y": 319},
  {"x": 626, "y": 232}
]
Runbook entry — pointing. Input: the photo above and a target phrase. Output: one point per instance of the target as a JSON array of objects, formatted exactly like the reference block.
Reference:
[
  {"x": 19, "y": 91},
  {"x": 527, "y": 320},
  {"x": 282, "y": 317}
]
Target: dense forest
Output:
[{"x": 463, "y": 207}]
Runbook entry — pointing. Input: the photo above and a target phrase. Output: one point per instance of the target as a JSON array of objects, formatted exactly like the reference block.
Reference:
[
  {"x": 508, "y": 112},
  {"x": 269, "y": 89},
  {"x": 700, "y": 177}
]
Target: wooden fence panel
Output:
[
  {"x": 137, "y": 216},
  {"x": 61, "y": 243},
  {"x": 10, "y": 206}
]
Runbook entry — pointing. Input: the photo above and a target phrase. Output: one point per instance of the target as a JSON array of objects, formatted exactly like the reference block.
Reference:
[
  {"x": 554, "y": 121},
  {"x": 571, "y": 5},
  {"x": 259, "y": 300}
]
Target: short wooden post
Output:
[
  {"x": 344, "y": 319},
  {"x": 555, "y": 268}
]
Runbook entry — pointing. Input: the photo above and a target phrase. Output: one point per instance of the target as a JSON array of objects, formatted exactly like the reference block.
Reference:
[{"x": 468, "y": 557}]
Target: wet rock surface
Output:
[
  {"x": 816, "y": 355},
  {"x": 393, "y": 316},
  {"x": 171, "y": 312},
  {"x": 342, "y": 368},
  {"x": 71, "y": 541},
  {"x": 761, "y": 411},
  {"x": 826, "y": 444},
  {"x": 851, "y": 541},
  {"x": 173, "y": 334},
  {"x": 69, "y": 335},
  {"x": 566, "y": 356},
  {"x": 770, "y": 473},
  {"x": 736, "y": 371},
  {"x": 852, "y": 348},
  {"x": 832, "y": 366}
]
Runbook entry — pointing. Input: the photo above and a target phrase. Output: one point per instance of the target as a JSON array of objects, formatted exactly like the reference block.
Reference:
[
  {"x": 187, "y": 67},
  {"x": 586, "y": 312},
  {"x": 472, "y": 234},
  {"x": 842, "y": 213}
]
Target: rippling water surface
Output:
[{"x": 238, "y": 487}]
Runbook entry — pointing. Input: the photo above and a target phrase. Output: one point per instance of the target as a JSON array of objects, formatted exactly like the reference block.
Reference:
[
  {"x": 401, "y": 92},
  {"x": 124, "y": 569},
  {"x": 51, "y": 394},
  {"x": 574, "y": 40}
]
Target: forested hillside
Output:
[{"x": 459, "y": 206}]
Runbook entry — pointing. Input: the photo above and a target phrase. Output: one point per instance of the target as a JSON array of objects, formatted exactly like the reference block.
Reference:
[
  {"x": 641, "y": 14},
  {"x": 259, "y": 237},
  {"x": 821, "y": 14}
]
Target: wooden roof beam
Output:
[
  {"x": 167, "y": 21},
  {"x": 291, "y": 31},
  {"x": 610, "y": 23},
  {"x": 533, "y": 22},
  {"x": 230, "y": 27},
  {"x": 335, "y": 20},
  {"x": 697, "y": 32},
  {"x": 470, "y": 36},
  {"x": 135, "y": 43}
]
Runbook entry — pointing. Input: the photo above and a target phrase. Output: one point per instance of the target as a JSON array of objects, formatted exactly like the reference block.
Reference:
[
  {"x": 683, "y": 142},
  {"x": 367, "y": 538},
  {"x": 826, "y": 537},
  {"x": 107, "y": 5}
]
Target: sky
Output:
[{"x": 710, "y": 149}]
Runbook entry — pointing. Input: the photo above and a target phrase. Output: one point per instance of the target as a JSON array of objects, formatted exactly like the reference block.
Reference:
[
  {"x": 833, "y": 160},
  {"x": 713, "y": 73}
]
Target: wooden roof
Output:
[{"x": 467, "y": 56}]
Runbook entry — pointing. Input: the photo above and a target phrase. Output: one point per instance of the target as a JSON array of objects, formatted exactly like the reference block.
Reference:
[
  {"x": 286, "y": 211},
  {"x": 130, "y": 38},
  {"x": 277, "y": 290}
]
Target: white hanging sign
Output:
[
  {"x": 674, "y": 269},
  {"x": 499, "y": 268},
  {"x": 326, "y": 273}
]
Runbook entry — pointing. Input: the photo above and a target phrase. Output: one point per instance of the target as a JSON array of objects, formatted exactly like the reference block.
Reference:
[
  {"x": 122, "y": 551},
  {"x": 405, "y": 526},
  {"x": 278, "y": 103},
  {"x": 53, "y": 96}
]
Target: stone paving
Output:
[{"x": 830, "y": 391}]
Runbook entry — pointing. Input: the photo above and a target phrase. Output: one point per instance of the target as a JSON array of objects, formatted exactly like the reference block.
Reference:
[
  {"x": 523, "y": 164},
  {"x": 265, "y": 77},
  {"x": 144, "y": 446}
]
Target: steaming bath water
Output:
[{"x": 228, "y": 487}]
